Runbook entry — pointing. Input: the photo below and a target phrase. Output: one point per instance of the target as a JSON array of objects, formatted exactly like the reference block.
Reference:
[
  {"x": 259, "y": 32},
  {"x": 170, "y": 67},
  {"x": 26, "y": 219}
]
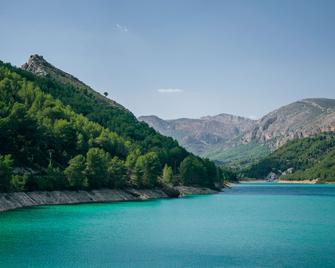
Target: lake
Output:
[{"x": 250, "y": 225}]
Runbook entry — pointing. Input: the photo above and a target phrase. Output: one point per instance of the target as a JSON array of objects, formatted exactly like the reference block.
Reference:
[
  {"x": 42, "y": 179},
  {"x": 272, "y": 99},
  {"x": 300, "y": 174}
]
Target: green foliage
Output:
[
  {"x": 167, "y": 175},
  {"x": 112, "y": 143},
  {"x": 147, "y": 170},
  {"x": 132, "y": 158},
  {"x": 228, "y": 174},
  {"x": 19, "y": 182},
  {"x": 54, "y": 179},
  {"x": 97, "y": 161},
  {"x": 6, "y": 165},
  {"x": 83, "y": 100},
  {"x": 75, "y": 173},
  {"x": 69, "y": 137},
  {"x": 117, "y": 173},
  {"x": 239, "y": 156},
  {"x": 200, "y": 172},
  {"x": 309, "y": 158}
]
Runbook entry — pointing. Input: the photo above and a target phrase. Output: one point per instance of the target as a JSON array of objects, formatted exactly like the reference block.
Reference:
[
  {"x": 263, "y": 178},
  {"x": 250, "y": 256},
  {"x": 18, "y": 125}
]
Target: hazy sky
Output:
[{"x": 182, "y": 58}]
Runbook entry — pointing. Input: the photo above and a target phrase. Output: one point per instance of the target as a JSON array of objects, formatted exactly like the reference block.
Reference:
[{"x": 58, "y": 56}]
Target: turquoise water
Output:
[{"x": 251, "y": 225}]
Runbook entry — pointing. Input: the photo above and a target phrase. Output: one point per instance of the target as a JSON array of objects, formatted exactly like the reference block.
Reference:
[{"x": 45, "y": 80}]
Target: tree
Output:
[
  {"x": 55, "y": 179},
  {"x": 167, "y": 174},
  {"x": 97, "y": 161},
  {"x": 132, "y": 158},
  {"x": 111, "y": 143},
  {"x": 192, "y": 171},
  {"x": 106, "y": 93},
  {"x": 6, "y": 166},
  {"x": 19, "y": 182},
  {"x": 66, "y": 135},
  {"x": 147, "y": 170},
  {"x": 211, "y": 173},
  {"x": 75, "y": 173},
  {"x": 117, "y": 171}
]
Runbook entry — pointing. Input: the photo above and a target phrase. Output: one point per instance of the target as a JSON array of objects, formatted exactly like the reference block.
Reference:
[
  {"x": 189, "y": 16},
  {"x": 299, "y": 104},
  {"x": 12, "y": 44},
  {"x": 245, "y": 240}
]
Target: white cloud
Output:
[
  {"x": 253, "y": 117},
  {"x": 121, "y": 28},
  {"x": 169, "y": 90}
]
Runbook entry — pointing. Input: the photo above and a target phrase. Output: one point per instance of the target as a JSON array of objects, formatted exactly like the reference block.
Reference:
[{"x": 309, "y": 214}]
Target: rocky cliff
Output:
[{"x": 303, "y": 118}]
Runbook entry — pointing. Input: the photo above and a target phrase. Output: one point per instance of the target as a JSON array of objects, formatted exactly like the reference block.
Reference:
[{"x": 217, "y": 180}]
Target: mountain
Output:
[
  {"x": 37, "y": 65},
  {"x": 204, "y": 134},
  {"x": 57, "y": 133},
  {"x": 86, "y": 101},
  {"x": 240, "y": 141},
  {"x": 300, "y": 159},
  {"x": 299, "y": 119}
]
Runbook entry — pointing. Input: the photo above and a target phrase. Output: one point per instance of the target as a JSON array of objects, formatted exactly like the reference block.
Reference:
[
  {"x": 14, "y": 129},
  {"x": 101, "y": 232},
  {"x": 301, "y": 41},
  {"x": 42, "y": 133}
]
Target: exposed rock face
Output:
[
  {"x": 10, "y": 201},
  {"x": 200, "y": 135},
  {"x": 187, "y": 190},
  {"x": 39, "y": 66},
  {"x": 227, "y": 137},
  {"x": 299, "y": 119}
]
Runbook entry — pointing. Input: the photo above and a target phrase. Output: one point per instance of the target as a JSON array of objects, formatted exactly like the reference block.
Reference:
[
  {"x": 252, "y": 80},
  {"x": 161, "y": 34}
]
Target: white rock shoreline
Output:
[{"x": 10, "y": 201}]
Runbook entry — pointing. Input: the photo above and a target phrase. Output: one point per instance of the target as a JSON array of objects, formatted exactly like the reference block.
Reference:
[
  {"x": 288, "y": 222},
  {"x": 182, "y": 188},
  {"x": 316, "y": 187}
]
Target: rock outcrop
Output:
[
  {"x": 36, "y": 64},
  {"x": 188, "y": 190},
  {"x": 300, "y": 119},
  {"x": 10, "y": 201}
]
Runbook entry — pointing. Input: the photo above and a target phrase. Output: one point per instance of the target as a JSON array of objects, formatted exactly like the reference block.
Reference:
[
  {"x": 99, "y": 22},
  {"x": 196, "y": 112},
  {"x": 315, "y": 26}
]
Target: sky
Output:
[{"x": 180, "y": 58}]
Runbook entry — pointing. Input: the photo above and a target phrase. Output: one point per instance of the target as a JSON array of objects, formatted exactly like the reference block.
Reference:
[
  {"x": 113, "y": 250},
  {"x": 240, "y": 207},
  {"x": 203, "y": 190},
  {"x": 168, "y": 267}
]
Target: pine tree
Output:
[{"x": 167, "y": 174}]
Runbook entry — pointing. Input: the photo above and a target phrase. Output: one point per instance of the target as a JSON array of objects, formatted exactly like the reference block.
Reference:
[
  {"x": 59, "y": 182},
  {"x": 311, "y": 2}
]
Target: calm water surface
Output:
[{"x": 251, "y": 225}]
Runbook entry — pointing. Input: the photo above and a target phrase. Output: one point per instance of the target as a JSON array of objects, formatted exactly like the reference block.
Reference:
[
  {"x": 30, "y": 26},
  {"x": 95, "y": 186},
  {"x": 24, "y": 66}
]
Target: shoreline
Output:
[
  {"x": 300, "y": 181},
  {"x": 15, "y": 200},
  {"x": 313, "y": 181},
  {"x": 252, "y": 181}
]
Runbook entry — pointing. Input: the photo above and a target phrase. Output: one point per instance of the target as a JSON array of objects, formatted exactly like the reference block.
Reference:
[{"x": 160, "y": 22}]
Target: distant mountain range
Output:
[
  {"x": 200, "y": 135},
  {"x": 234, "y": 139}
]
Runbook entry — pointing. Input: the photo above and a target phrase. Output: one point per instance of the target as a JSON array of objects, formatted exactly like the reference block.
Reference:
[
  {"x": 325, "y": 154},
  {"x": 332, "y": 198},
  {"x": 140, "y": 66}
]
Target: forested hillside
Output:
[
  {"x": 57, "y": 134},
  {"x": 306, "y": 158}
]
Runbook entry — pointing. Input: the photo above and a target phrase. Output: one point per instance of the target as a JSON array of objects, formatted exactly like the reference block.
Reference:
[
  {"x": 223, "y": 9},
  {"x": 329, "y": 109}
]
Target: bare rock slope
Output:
[
  {"x": 299, "y": 119},
  {"x": 10, "y": 201},
  {"x": 229, "y": 138},
  {"x": 201, "y": 135}
]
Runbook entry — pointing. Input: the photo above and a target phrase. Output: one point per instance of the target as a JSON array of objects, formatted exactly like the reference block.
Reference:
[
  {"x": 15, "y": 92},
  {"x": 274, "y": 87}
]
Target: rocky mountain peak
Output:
[
  {"x": 36, "y": 64},
  {"x": 39, "y": 66}
]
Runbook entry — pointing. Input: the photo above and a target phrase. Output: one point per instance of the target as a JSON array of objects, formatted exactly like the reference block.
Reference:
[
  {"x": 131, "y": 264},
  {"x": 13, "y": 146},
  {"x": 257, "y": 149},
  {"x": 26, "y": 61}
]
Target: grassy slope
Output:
[{"x": 239, "y": 155}]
